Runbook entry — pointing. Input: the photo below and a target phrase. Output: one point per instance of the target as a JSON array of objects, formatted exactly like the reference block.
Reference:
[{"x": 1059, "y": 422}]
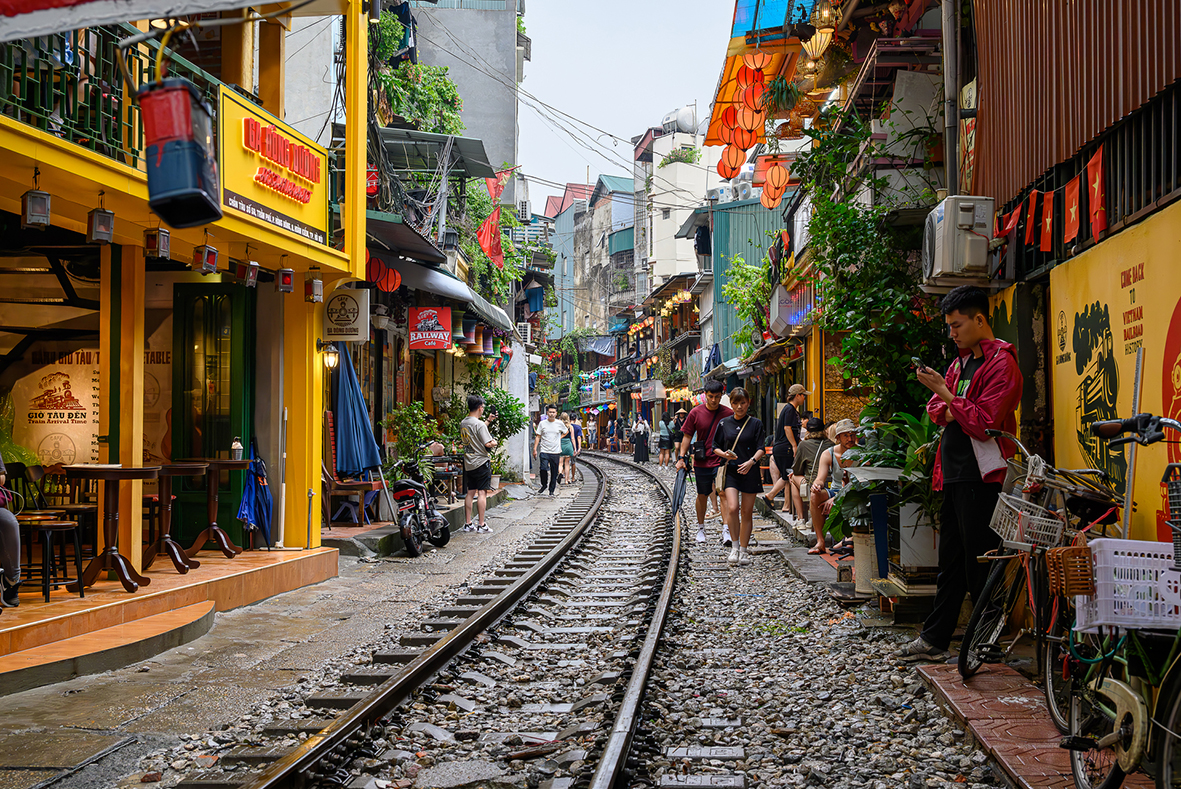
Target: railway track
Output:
[{"x": 541, "y": 666}]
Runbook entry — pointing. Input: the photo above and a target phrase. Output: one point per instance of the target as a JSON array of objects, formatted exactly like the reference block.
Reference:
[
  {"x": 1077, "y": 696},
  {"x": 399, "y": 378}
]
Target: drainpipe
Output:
[{"x": 951, "y": 94}]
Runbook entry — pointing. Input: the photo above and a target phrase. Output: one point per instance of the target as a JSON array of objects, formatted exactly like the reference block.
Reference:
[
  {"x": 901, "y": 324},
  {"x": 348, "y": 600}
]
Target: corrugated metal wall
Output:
[
  {"x": 1055, "y": 73},
  {"x": 740, "y": 230}
]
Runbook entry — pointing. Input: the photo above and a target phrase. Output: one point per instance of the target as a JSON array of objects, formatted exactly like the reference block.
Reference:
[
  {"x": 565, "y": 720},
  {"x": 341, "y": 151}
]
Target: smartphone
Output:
[{"x": 918, "y": 363}]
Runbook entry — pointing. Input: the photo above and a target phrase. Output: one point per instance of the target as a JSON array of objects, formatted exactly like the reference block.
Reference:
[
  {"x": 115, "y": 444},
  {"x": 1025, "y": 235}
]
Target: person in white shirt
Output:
[{"x": 547, "y": 447}]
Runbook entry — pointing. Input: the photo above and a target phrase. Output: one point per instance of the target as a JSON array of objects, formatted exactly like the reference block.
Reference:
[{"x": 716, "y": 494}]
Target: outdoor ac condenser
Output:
[
  {"x": 956, "y": 237},
  {"x": 525, "y": 329}
]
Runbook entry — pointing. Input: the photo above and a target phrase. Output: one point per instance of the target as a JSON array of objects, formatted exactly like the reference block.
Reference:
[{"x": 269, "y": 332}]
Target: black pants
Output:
[
  {"x": 549, "y": 470},
  {"x": 963, "y": 535}
]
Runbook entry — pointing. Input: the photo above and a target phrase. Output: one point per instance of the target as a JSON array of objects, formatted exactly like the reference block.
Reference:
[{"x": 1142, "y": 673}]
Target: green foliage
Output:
[
  {"x": 413, "y": 427},
  {"x": 385, "y": 38},
  {"x": 748, "y": 289},
  {"x": 521, "y": 24},
  {"x": 424, "y": 95},
  {"x": 687, "y": 154},
  {"x": 866, "y": 276},
  {"x": 551, "y": 296},
  {"x": 491, "y": 282},
  {"x": 511, "y": 419},
  {"x": 621, "y": 283},
  {"x": 781, "y": 96}
]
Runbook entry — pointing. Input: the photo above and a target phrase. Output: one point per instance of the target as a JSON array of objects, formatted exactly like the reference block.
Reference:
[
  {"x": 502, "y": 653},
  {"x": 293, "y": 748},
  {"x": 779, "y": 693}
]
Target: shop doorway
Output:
[{"x": 212, "y": 395}]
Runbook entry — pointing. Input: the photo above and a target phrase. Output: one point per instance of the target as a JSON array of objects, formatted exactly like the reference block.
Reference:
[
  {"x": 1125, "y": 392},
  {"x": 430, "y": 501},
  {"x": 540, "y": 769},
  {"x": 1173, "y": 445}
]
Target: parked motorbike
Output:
[{"x": 418, "y": 516}]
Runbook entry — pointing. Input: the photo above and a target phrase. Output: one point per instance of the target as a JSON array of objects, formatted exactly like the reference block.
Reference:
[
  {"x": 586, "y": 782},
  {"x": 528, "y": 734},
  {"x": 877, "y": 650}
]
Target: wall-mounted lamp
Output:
[
  {"x": 35, "y": 206},
  {"x": 331, "y": 355},
  {"x": 284, "y": 281},
  {"x": 313, "y": 287},
  {"x": 205, "y": 259},
  {"x": 247, "y": 273},
  {"x": 157, "y": 243},
  {"x": 100, "y": 224}
]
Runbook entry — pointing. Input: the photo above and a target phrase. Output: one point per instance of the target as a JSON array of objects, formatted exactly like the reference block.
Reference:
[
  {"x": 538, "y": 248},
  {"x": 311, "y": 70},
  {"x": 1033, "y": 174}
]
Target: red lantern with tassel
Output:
[{"x": 748, "y": 76}]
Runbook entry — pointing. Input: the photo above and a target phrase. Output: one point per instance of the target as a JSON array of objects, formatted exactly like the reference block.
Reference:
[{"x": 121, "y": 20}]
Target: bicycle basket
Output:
[
  {"x": 1135, "y": 588},
  {"x": 1020, "y": 521},
  {"x": 1071, "y": 571}
]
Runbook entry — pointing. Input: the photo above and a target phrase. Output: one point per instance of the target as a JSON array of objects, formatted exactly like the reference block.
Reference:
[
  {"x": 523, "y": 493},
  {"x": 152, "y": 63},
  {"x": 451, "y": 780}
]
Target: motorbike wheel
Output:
[
  {"x": 442, "y": 536},
  {"x": 410, "y": 535}
]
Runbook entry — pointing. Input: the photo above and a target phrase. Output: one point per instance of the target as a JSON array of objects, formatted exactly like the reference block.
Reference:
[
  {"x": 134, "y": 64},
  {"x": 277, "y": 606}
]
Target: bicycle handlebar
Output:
[{"x": 1145, "y": 429}]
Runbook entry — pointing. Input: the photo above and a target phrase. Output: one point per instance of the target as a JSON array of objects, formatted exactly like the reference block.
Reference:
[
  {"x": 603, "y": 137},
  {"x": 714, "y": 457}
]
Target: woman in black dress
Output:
[
  {"x": 640, "y": 433},
  {"x": 739, "y": 439}
]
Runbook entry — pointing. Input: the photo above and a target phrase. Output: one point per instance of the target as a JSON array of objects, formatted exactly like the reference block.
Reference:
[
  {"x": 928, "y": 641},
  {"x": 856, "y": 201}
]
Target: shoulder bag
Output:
[
  {"x": 700, "y": 455},
  {"x": 720, "y": 479}
]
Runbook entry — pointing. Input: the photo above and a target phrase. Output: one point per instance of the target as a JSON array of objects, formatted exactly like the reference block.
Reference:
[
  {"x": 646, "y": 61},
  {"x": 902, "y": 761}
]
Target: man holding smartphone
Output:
[{"x": 980, "y": 391}]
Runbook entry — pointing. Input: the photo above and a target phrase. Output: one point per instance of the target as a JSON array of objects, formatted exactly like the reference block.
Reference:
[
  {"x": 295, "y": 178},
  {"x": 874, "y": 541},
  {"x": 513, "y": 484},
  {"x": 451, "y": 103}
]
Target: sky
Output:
[{"x": 619, "y": 65}]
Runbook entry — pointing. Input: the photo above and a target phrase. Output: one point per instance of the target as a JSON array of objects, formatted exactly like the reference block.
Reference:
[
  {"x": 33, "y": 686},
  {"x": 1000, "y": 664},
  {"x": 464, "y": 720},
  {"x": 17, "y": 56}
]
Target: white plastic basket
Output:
[
  {"x": 1020, "y": 521},
  {"x": 1136, "y": 588}
]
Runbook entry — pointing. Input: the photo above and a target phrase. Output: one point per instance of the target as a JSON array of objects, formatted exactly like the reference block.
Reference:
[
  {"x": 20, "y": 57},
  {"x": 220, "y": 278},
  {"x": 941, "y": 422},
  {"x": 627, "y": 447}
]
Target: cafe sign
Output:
[
  {"x": 651, "y": 390},
  {"x": 269, "y": 171},
  {"x": 346, "y": 315},
  {"x": 430, "y": 328}
]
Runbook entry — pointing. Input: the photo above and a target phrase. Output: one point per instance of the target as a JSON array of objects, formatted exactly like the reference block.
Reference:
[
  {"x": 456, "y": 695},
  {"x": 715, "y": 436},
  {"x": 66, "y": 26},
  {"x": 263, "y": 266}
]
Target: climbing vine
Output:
[
  {"x": 491, "y": 282},
  {"x": 748, "y": 290}
]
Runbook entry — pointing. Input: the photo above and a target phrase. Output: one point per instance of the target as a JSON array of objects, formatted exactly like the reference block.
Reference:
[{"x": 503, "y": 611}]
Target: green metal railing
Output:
[{"x": 68, "y": 85}]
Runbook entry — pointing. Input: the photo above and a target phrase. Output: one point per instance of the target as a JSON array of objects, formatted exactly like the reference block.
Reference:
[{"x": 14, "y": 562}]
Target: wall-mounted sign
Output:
[
  {"x": 269, "y": 171},
  {"x": 651, "y": 390},
  {"x": 430, "y": 328},
  {"x": 346, "y": 316}
]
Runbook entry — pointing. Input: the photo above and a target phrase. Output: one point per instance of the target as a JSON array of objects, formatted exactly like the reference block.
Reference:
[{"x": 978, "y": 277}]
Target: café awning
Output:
[{"x": 442, "y": 283}]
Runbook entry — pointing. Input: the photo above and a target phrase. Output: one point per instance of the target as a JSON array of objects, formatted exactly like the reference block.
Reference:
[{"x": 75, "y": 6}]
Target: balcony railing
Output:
[{"x": 69, "y": 85}]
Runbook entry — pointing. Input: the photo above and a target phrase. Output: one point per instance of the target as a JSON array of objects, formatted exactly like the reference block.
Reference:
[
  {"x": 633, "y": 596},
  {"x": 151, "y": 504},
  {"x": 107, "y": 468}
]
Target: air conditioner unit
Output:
[
  {"x": 956, "y": 238},
  {"x": 523, "y": 212},
  {"x": 744, "y": 190},
  {"x": 722, "y": 194},
  {"x": 525, "y": 329}
]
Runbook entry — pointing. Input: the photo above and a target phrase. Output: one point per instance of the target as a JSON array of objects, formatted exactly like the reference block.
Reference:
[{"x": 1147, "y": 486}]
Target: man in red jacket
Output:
[{"x": 980, "y": 392}]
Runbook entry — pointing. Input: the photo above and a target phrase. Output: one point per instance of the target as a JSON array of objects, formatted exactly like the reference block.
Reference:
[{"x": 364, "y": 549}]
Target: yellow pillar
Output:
[
  {"x": 272, "y": 54},
  {"x": 303, "y": 396},
  {"x": 237, "y": 51},
  {"x": 131, "y": 400},
  {"x": 356, "y": 111}
]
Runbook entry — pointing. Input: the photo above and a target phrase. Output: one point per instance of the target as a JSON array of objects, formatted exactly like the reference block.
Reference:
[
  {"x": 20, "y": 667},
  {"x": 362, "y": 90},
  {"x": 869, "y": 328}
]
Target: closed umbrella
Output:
[
  {"x": 255, "y": 509},
  {"x": 679, "y": 492},
  {"x": 356, "y": 448}
]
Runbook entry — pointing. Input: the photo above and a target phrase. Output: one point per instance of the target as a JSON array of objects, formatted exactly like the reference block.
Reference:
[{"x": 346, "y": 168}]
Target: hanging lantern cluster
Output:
[
  {"x": 824, "y": 18},
  {"x": 639, "y": 326},
  {"x": 679, "y": 395},
  {"x": 741, "y": 121},
  {"x": 775, "y": 185},
  {"x": 670, "y": 306}
]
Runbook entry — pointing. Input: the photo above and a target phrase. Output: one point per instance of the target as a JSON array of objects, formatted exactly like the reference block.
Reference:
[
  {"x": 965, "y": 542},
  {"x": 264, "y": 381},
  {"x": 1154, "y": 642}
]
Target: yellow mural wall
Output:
[{"x": 1119, "y": 295}]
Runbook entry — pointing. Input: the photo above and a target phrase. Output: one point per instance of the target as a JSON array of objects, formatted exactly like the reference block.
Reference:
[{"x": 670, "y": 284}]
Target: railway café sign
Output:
[{"x": 269, "y": 171}]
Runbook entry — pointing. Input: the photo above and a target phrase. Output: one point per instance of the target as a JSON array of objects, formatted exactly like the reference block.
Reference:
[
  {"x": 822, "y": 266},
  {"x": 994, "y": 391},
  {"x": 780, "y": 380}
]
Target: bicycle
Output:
[
  {"x": 1126, "y": 707},
  {"x": 1051, "y": 506}
]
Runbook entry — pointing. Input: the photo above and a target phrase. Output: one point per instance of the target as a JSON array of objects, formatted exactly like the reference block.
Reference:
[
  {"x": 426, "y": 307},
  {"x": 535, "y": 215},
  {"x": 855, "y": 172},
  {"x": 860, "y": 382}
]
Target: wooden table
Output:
[
  {"x": 213, "y": 531},
  {"x": 165, "y": 543},
  {"x": 110, "y": 558}
]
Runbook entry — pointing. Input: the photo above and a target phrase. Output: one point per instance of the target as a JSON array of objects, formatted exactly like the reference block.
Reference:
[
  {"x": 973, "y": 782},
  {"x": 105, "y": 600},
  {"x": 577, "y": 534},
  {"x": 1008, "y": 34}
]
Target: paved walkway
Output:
[{"x": 95, "y": 729}]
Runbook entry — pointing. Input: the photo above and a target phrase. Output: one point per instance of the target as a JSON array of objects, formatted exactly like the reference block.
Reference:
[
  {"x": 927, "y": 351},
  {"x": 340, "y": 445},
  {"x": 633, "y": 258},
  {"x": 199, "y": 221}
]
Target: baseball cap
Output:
[
  {"x": 814, "y": 425},
  {"x": 797, "y": 389}
]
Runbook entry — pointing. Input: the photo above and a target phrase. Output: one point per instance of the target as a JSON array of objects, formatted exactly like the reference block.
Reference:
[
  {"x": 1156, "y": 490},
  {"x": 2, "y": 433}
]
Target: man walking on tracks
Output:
[
  {"x": 477, "y": 468},
  {"x": 549, "y": 440},
  {"x": 980, "y": 392},
  {"x": 703, "y": 422}
]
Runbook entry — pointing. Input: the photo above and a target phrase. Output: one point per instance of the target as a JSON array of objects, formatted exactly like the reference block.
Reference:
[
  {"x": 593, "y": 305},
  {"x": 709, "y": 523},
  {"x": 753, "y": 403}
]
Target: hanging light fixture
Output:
[
  {"x": 331, "y": 354},
  {"x": 748, "y": 76},
  {"x": 824, "y": 18},
  {"x": 284, "y": 281},
  {"x": 100, "y": 223},
  {"x": 313, "y": 287},
  {"x": 743, "y": 138},
  {"x": 247, "y": 272},
  {"x": 35, "y": 206},
  {"x": 749, "y": 119},
  {"x": 753, "y": 96},
  {"x": 157, "y": 243},
  {"x": 807, "y": 66}
]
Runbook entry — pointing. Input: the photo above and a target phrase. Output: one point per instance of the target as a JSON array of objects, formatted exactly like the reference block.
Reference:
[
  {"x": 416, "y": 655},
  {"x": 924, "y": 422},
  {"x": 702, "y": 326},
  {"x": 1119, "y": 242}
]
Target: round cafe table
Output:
[
  {"x": 213, "y": 531},
  {"x": 165, "y": 543},
  {"x": 110, "y": 558}
]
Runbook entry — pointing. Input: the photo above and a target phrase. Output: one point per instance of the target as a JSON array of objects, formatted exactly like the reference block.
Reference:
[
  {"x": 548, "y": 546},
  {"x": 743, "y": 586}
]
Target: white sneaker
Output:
[
  {"x": 732, "y": 559},
  {"x": 791, "y": 519},
  {"x": 743, "y": 557},
  {"x": 483, "y": 528},
  {"x": 726, "y": 536},
  {"x": 469, "y": 526},
  {"x": 701, "y": 532}
]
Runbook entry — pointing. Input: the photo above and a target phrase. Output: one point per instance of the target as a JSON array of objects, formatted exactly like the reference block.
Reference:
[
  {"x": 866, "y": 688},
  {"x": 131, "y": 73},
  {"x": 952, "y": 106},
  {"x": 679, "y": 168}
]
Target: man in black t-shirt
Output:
[{"x": 783, "y": 451}]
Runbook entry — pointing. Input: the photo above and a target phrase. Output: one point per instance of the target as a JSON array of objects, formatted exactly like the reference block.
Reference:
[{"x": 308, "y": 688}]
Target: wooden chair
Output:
[
  {"x": 365, "y": 491},
  {"x": 77, "y": 499}
]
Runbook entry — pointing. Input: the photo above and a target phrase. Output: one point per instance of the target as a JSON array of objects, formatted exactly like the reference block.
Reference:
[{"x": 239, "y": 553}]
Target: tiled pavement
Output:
[{"x": 1008, "y": 717}]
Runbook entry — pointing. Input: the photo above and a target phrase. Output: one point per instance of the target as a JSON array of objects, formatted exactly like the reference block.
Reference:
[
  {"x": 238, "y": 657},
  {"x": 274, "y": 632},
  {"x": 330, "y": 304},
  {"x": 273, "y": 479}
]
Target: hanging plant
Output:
[{"x": 780, "y": 98}]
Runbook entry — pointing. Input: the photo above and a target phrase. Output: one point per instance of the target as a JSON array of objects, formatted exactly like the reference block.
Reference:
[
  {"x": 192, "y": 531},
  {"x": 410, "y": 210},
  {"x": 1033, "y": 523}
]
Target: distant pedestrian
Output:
[
  {"x": 666, "y": 438},
  {"x": 784, "y": 450},
  {"x": 477, "y": 467},
  {"x": 739, "y": 441},
  {"x": 566, "y": 474},
  {"x": 611, "y": 446},
  {"x": 577, "y": 434},
  {"x": 699, "y": 429},
  {"x": 547, "y": 446}
]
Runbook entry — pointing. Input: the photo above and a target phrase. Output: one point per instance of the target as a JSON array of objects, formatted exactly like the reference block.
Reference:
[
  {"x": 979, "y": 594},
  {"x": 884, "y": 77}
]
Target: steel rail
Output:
[
  {"x": 293, "y": 770},
  {"x": 614, "y": 757}
]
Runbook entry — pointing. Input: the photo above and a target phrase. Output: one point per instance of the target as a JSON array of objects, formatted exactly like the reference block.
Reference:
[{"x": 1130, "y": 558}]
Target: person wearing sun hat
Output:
[{"x": 829, "y": 477}]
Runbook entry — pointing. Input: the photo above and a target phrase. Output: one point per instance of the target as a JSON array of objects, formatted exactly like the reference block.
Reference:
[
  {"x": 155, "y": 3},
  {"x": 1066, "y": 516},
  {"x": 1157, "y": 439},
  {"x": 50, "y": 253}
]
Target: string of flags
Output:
[{"x": 1040, "y": 224}]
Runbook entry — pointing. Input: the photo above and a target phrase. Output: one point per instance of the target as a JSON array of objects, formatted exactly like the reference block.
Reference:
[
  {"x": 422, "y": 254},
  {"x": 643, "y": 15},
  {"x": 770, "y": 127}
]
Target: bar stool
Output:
[{"x": 49, "y": 530}]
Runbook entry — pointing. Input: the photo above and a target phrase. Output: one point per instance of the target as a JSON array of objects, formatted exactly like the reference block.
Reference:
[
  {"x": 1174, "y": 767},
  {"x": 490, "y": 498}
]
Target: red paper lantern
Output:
[
  {"x": 726, "y": 133},
  {"x": 771, "y": 190},
  {"x": 756, "y": 60},
  {"x": 748, "y": 76},
  {"x": 743, "y": 138},
  {"x": 749, "y": 119},
  {"x": 769, "y": 201},
  {"x": 732, "y": 160},
  {"x": 752, "y": 97},
  {"x": 777, "y": 177},
  {"x": 726, "y": 171},
  {"x": 729, "y": 117}
]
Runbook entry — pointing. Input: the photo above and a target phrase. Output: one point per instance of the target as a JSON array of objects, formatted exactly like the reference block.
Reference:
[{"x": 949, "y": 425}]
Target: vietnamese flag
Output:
[
  {"x": 489, "y": 237},
  {"x": 1096, "y": 198},
  {"x": 1071, "y": 217},
  {"x": 496, "y": 184},
  {"x": 1009, "y": 223},
  {"x": 1047, "y": 223},
  {"x": 1030, "y": 224}
]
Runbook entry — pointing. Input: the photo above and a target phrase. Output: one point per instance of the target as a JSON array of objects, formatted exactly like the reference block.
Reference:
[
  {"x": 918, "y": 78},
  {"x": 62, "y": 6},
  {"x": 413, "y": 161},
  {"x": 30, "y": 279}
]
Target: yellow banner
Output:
[
  {"x": 1118, "y": 296},
  {"x": 269, "y": 171}
]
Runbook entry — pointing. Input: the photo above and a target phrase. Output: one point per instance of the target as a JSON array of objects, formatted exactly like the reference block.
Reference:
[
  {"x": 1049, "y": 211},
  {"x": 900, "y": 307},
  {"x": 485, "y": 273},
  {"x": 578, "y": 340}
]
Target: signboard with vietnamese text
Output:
[
  {"x": 57, "y": 404},
  {"x": 269, "y": 171},
  {"x": 346, "y": 315},
  {"x": 430, "y": 328}
]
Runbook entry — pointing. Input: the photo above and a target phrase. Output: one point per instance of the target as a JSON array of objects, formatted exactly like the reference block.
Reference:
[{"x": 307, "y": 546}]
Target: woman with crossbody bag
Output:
[{"x": 740, "y": 478}]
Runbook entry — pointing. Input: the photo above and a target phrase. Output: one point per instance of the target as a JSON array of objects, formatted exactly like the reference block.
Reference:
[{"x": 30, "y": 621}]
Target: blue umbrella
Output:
[
  {"x": 356, "y": 448},
  {"x": 264, "y": 504}
]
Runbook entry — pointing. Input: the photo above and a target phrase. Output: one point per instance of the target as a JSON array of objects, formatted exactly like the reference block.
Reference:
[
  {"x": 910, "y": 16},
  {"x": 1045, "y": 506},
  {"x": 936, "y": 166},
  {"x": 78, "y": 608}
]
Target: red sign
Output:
[
  {"x": 371, "y": 183},
  {"x": 430, "y": 328}
]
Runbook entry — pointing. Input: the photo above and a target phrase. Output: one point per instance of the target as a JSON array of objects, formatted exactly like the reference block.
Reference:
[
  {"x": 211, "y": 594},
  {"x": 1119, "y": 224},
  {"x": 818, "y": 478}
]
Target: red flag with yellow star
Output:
[
  {"x": 1071, "y": 215},
  {"x": 489, "y": 237},
  {"x": 1047, "y": 223},
  {"x": 1030, "y": 224},
  {"x": 1095, "y": 196}
]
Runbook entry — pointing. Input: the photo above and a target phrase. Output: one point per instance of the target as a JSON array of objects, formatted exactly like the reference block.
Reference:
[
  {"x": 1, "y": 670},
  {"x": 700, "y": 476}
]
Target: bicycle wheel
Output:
[
  {"x": 1167, "y": 735},
  {"x": 1091, "y": 719},
  {"x": 990, "y": 615},
  {"x": 1057, "y": 666}
]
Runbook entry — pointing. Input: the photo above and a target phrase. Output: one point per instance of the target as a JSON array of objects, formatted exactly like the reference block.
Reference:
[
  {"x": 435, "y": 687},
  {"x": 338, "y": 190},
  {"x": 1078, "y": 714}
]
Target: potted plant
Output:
[
  {"x": 413, "y": 427},
  {"x": 498, "y": 461}
]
